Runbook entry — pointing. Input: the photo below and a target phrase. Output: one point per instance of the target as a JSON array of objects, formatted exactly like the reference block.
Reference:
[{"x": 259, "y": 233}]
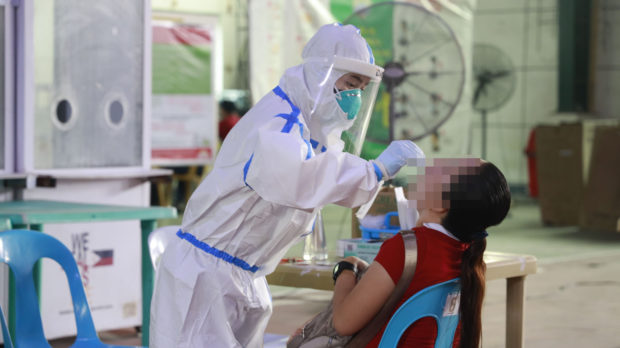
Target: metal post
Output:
[{"x": 484, "y": 134}]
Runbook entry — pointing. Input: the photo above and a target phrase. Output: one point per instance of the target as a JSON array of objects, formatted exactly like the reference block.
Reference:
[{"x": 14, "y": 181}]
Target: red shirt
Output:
[{"x": 439, "y": 260}]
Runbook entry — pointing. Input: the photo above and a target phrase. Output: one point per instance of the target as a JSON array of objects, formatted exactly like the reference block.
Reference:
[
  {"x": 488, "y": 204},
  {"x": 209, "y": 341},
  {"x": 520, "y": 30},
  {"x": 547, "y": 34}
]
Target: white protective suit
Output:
[{"x": 263, "y": 193}]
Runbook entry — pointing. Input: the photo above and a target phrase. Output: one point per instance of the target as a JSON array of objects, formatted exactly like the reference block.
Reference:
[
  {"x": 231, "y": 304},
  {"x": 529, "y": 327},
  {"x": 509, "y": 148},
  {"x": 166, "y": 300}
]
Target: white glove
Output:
[{"x": 395, "y": 157}]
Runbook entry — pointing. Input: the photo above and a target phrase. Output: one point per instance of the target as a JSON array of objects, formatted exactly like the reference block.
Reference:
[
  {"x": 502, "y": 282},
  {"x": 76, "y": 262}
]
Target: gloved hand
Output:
[{"x": 395, "y": 157}]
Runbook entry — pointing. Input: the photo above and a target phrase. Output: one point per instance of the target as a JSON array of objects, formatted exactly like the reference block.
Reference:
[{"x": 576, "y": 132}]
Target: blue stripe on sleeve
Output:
[{"x": 378, "y": 171}]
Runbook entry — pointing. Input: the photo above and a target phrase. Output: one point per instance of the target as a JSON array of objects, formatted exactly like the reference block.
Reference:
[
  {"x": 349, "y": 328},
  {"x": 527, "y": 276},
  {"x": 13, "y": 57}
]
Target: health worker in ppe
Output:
[{"x": 277, "y": 167}]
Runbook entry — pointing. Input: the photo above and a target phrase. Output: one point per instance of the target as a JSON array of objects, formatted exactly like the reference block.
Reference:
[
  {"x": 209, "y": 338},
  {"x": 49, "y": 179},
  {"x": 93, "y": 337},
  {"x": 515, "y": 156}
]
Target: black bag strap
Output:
[{"x": 364, "y": 336}]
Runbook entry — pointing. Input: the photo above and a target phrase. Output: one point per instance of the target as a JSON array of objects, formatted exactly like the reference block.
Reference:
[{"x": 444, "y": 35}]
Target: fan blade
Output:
[
  {"x": 432, "y": 49},
  {"x": 500, "y": 74},
  {"x": 432, "y": 72},
  {"x": 419, "y": 117},
  {"x": 431, "y": 94},
  {"x": 478, "y": 91}
]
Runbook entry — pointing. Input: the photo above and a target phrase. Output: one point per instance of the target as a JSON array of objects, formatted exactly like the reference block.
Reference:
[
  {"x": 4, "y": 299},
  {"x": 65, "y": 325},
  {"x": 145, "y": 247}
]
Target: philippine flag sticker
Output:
[{"x": 106, "y": 257}]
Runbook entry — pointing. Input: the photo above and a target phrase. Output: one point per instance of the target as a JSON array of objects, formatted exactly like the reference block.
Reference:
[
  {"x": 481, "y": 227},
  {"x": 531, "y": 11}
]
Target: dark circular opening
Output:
[
  {"x": 116, "y": 112},
  {"x": 63, "y": 111}
]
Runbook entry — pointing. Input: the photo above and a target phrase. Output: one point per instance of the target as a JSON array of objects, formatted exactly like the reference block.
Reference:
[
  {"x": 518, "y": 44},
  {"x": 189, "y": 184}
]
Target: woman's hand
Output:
[
  {"x": 359, "y": 263},
  {"x": 299, "y": 331}
]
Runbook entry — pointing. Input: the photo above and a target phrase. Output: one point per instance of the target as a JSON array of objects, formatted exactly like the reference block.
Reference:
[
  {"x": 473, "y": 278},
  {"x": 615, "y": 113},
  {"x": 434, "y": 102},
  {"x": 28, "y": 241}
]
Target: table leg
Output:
[
  {"x": 515, "y": 297},
  {"x": 147, "y": 227}
]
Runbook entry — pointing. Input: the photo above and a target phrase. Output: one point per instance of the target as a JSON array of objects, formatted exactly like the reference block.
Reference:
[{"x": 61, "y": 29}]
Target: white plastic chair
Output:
[
  {"x": 274, "y": 341},
  {"x": 159, "y": 240},
  {"x": 8, "y": 343}
]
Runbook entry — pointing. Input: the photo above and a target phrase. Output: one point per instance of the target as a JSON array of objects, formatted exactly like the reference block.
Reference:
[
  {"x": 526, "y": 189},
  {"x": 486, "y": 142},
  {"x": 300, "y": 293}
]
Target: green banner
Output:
[
  {"x": 341, "y": 9},
  {"x": 181, "y": 69}
]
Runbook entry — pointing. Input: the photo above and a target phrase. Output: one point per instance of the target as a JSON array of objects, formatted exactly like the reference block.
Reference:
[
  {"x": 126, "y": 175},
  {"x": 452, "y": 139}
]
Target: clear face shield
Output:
[{"x": 344, "y": 104}]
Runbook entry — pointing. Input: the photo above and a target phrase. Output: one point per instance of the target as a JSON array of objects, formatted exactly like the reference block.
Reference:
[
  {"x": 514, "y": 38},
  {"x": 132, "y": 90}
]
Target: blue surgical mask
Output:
[{"x": 350, "y": 101}]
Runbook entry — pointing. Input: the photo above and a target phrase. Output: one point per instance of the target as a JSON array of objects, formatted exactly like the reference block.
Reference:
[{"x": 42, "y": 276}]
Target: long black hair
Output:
[{"x": 476, "y": 201}]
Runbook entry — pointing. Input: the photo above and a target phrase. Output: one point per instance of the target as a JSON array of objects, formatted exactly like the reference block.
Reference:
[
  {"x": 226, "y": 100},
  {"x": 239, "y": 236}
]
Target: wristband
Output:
[{"x": 343, "y": 266}]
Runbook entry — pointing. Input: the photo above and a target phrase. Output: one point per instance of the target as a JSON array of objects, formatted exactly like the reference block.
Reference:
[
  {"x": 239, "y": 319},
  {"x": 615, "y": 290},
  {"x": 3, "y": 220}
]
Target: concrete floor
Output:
[{"x": 571, "y": 302}]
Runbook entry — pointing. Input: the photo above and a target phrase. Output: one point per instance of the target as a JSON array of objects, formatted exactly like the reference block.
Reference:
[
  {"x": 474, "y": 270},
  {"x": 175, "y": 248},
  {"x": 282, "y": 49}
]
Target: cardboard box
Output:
[
  {"x": 358, "y": 247},
  {"x": 601, "y": 201},
  {"x": 563, "y": 154},
  {"x": 559, "y": 172}
]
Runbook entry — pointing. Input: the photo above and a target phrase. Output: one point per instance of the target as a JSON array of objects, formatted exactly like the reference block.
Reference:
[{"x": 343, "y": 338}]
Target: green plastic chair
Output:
[
  {"x": 5, "y": 224},
  {"x": 21, "y": 249}
]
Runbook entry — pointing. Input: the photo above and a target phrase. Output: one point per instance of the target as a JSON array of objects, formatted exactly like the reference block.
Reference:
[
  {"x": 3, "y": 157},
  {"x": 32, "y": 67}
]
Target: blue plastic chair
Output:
[
  {"x": 5, "y": 225},
  {"x": 5, "y": 331},
  {"x": 439, "y": 301},
  {"x": 21, "y": 249}
]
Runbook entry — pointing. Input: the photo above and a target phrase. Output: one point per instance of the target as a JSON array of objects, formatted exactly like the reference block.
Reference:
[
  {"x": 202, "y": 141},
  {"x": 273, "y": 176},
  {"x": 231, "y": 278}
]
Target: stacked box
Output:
[
  {"x": 563, "y": 161},
  {"x": 358, "y": 247},
  {"x": 601, "y": 201}
]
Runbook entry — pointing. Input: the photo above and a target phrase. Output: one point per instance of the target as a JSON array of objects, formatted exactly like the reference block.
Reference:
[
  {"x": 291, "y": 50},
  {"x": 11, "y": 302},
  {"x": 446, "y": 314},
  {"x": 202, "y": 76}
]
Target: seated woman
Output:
[{"x": 457, "y": 201}]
